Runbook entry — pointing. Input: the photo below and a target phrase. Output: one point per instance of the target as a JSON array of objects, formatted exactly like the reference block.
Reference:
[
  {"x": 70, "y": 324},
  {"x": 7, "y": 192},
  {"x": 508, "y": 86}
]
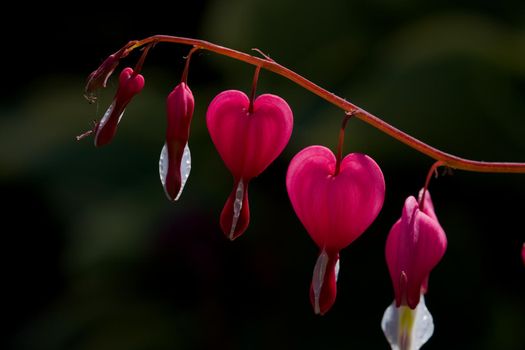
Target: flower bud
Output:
[
  {"x": 130, "y": 84},
  {"x": 175, "y": 158}
]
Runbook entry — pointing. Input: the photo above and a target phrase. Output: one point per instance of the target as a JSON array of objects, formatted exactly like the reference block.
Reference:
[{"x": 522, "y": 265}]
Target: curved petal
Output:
[
  {"x": 415, "y": 244},
  {"x": 335, "y": 210},
  {"x": 248, "y": 142},
  {"x": 323, "y": 289}
]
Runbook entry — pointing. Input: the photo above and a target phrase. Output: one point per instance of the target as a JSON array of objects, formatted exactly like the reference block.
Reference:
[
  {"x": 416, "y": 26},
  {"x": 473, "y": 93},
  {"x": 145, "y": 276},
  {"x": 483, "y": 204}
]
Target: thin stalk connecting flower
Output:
[{"x": 449, "y": 160}]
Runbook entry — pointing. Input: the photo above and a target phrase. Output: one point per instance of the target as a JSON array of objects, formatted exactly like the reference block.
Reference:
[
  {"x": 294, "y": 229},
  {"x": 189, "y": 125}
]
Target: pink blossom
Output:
[
  {"x": 334, "y": 208},
  {"x": 415, "y": 245},
  {"x": 247, "y": 142},
  {"x": 175, "y": 159},
  {"x": 130, "y": 84}
]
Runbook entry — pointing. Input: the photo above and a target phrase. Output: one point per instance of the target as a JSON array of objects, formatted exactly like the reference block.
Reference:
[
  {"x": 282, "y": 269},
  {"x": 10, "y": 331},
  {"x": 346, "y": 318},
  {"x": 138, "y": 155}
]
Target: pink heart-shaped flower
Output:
[
  {"x": 334, "y": 208},
  {"x": 248, "y": 142}
]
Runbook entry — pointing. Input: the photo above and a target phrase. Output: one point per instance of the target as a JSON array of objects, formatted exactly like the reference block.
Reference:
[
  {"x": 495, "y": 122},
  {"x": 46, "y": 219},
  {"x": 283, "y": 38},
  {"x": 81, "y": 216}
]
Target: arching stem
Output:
[{"x": 449, "y": 160}]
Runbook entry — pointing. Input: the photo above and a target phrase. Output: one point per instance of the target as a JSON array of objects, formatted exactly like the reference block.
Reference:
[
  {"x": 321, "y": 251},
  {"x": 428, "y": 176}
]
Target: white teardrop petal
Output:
[
  {"x": 423, "y": 326},
  {"x": 185, "y": 168},
  {"x": 120, "y": 116},
  {"x": 407, "y": 329},
  {"x": 390, "y": 325},
  {"x": 237, "y": 206},
  {"x": 318, "y": 279},
  {"x": 163, "y": 165},
  {"x": 104, "y": 120},
  {"x": 106, "y": 115}
]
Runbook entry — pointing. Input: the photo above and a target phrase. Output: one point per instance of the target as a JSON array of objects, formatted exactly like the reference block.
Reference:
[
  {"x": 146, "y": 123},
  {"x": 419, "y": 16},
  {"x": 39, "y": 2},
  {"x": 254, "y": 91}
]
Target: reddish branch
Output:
[{"x": 446, "y": 159}]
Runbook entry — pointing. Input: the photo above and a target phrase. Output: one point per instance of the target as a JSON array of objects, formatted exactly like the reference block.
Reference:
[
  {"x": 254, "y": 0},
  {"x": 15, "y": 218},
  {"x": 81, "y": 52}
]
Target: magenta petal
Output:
[
  {"x": 415, "y": 244},
  {"x": 248, "y": 142},
  {"x": 335, "y": 210},
  {"x": 428, "y": 206}
]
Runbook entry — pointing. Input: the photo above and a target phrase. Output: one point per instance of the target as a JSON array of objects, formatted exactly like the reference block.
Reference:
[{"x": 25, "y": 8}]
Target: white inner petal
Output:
[
  {"x": 105, "y": 119},
  {"x": 423, "y": 326},
  {"x": 318, "y": 279},
  {"x": 120, "y": 116},
  {"x": 237, "y": 206},
  {"x": 185, "y": 168},
  {"x": 390, "y": 325},
  {"x": 407, "y": 329},
  {"x": 106, "y": 115},
  {"x": 337, "y": 270},
  {"x": 163, "y": 165}
]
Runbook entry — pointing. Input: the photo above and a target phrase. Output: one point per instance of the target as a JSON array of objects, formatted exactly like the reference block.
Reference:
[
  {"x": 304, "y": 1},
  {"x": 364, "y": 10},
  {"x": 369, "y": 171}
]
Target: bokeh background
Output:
[{"x": 93, "y": 256}]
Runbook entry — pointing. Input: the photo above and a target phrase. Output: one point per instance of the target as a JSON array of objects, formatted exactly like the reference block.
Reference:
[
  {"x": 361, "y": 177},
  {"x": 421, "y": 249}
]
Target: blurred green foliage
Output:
[{"x": 95, "y": 257}]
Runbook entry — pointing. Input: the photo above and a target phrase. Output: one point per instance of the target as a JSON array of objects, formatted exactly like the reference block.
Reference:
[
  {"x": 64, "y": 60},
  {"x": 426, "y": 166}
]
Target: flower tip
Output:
[
  {"x": 235, "y": 215},
  {"x": 323, "y": 289},
  {"x": 407, "y": 328}
]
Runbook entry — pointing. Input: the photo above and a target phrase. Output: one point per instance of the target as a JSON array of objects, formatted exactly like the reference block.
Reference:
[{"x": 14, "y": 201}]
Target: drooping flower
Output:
[
  {"x": 99, "y": 77},
  {"x": 248, "y": 141},
  {"x": 130, "y": 84},
  {"x": 175, "y": 158},
  {"x": 415, "y": 245},
  {"x": 334, "y": 208}
]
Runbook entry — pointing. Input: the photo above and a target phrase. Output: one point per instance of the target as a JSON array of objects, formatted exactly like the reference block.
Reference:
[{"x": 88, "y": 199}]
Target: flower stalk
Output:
[{"x": 449, "y": 160}]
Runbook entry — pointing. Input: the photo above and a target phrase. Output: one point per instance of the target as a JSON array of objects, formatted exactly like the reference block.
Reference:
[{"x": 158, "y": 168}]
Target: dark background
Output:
[{"x": 94, "y": 256}]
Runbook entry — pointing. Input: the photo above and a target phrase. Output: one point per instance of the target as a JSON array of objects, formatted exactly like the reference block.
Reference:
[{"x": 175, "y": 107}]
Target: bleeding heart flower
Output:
[
  {"x": 130, "y": 84},
  {"x": 415, "y": 245},
  {"x": 334, "y": 208},
  {"x": 175, "y": 158},
  {"x": 247, "y": 141}
]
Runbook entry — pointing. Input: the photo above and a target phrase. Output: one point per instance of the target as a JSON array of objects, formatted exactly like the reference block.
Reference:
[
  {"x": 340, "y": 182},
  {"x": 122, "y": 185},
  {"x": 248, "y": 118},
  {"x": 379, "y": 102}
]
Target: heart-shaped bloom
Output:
[
  {"x": 334, "y": 208},
  {"x": 248, "y": 141},
  {"x": 175, "y": 158},
  {"x": 415, "y": 245},
  {"x": 130, "y": 84}
]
